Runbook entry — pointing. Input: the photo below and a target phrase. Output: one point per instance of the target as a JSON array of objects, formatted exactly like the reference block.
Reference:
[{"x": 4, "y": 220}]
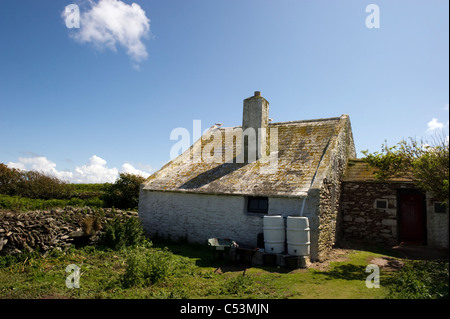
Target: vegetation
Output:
[
  {"x": 125, "y": 264},
  {"x": 124, "y": 193},
  {"x": 189, "y": 271},
  {"x": 122, "y": 232},
  {"x": 154, "y": 271},
  {"x": 428, "y": 165},
  {"x": 31, "y": 190},
  {"x": 31, "y": 184},
  {"x": 151, "y": 266},
  {"x": 18, "y": 203},
  {"x": 421, "y": 280}
]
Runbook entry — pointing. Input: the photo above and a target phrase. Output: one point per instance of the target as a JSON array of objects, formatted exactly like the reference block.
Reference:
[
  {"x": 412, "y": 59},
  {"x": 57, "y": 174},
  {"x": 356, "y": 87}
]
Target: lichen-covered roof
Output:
[
  {"x": 360, "y": 171},
  {"x": 303, "y": 156}
]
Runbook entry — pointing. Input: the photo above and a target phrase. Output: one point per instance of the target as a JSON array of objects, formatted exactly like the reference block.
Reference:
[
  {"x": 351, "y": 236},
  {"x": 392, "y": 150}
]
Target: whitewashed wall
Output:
[
  {"x": 437, "y": 225},
  {"x": 198, "y": 217}
]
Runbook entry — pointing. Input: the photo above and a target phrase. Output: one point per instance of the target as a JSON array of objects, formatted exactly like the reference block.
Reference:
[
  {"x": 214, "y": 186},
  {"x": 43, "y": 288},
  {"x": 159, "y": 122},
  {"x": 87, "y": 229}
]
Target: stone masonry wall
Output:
[
  {"x": 46, "y": 230},
  {"x": 330, "y": 192},
  {"x": 328, "y": 214},
  {"x": 361, "y": 221}
]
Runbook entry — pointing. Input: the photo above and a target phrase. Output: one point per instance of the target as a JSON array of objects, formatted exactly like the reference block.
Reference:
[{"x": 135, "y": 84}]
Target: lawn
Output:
[{"x": 182, "y": 271}]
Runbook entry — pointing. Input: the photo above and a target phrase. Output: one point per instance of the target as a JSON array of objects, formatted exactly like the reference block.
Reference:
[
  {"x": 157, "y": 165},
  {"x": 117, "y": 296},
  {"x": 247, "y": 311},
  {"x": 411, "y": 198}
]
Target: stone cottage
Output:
[
  {"x": 390, "y": 212},
  {"x": 232, "y": 177}
]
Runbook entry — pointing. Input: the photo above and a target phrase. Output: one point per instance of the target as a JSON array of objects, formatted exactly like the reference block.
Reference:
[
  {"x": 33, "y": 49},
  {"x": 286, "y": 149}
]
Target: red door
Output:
[{"x": 412, "y": 219}]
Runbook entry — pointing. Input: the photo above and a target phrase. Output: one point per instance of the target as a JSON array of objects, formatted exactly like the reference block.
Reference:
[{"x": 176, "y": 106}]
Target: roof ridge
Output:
[
  {"x": 336, "y": 118},
  {"x": 308, "y": 121}
]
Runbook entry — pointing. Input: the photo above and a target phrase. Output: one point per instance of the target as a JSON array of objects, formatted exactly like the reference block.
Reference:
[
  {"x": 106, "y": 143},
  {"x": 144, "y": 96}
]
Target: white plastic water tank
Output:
[
  {"x": 297, "y": 233},
  {"x": 274, "y": 234}
]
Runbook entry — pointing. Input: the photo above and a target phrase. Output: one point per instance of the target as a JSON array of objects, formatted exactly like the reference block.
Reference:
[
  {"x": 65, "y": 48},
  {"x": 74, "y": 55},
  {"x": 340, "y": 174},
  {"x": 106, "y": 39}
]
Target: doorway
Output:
[{"x": 411, "y": 217}]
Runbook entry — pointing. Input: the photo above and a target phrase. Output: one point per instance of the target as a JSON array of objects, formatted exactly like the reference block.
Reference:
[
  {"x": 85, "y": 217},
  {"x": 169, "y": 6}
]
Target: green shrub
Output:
[
  {"x": 32, "y": 184},
  {"x": 75, "y": 202},
  {"x": 124, "y": 193},
  {"x": 421, "y": 280},
  {"x": 121, "y": 232},
  {"x": 238, "y": 285},
  {"x": 149, "y": 267},
  {"x": 40, "y": 186},
  {"x": 94, "y": 202},
  {"x": 18, "y": 203},
  {"x": 52, "y": 203}
]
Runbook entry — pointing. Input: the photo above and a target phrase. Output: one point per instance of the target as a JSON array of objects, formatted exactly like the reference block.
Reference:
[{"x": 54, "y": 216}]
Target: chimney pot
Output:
[{"x": 257, "y": 93}]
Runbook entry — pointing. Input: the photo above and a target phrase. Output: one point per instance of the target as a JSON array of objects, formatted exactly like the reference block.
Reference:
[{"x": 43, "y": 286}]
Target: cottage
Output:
[
  {"x": 390, "y": 212},
  {"x": 231, "y": 178}
]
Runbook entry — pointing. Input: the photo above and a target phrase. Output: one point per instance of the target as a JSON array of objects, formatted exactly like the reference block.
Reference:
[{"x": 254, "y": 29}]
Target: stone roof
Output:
[
  {"x": 305, "y": 152},
  {"x": 360, "y": 171}
]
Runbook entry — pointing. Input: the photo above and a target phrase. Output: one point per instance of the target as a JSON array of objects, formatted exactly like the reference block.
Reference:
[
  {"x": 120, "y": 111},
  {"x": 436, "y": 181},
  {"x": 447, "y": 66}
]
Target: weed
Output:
[
  {"x": 148, "y": 267},
  {"x": 421, "y": 280},
  {"x": 239, "y": 285},
  {"x": 121, "y": 232}
]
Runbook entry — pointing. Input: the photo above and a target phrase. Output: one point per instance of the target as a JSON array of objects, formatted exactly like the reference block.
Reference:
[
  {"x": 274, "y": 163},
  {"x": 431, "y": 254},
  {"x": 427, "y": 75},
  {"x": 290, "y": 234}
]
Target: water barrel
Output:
[
  {"x": 297, "y": 235},
  {"x": 274, "y": 234}
]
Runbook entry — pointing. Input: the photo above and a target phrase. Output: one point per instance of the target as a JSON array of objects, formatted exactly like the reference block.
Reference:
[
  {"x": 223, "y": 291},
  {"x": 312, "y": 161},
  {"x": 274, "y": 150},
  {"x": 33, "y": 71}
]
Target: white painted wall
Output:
[
  {"x": 198, "y": 217},
  {"x": 201, "y": 216},
  {"x": 437, "y": 225}
]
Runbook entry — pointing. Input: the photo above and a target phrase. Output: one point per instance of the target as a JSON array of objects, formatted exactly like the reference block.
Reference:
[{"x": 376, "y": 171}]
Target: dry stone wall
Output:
[
  {"x": 56, "y": 228},
  {"x": 361, "y": 220}
]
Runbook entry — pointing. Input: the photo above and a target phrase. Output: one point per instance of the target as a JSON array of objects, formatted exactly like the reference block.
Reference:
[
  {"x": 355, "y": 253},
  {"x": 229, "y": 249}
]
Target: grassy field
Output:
[{"x": 187, "y": 271}]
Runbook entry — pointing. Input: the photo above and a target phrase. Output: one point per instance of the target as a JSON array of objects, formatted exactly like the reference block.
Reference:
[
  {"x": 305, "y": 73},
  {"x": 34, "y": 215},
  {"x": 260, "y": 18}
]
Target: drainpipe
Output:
[{"x": 303, "y": 206}]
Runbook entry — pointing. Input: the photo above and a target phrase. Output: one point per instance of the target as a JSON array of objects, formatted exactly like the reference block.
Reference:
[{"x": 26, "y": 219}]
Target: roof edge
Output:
[{"x": 302, "y": 194}]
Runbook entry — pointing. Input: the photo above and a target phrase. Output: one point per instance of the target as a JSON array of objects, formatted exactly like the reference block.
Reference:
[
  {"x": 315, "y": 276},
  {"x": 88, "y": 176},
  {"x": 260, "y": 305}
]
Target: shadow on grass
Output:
[
  {"x": 202, "y": 254},
  {"x": 345, "y": 271},
  {"x": 205, "y": 257}
]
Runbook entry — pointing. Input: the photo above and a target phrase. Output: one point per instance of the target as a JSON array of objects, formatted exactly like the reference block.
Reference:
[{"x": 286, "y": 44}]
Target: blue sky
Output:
[{"x": 85, "y": 106}]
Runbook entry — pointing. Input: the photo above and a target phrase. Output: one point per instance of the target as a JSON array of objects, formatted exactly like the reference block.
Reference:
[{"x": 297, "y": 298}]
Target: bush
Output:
[
  {"x": 124, "y": 193},
  {"x": 148, "y": 268},
  {"x": 24, "y": 204},
  {"x": 121, "y": 232},
  {"x": 239, "y": 284},
  {"x": 421, "y": 280},
  {"x": 94, "y": 202},
  {"x": 32, "y": 184}
]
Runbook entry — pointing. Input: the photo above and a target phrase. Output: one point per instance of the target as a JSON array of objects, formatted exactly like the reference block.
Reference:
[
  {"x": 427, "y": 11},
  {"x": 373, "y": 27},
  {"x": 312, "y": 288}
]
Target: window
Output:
[
  {"x": 381, "y": 203},
  {"x": 258, "y": 205},
  {"x": 439, "y": 208}
]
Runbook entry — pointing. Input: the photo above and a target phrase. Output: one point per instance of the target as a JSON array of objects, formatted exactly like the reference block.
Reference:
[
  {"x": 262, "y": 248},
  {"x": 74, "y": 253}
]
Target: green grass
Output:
[
  {"x": 189, "y": 271},
  {"x": 23, "y": 204},
  {"x": 342, "y": 280}
]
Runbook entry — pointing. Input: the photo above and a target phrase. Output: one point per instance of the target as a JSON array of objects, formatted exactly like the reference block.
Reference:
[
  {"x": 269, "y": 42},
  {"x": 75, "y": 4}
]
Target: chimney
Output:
[{"x": 256, "y": 119}]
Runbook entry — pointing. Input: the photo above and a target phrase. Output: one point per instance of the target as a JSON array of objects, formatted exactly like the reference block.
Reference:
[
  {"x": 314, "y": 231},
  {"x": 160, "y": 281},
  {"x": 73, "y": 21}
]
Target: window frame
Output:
[
  {"x": 375, "y": 204},
  {"x": 259, "y": 200},
  {"x": 435, "y": 204}
]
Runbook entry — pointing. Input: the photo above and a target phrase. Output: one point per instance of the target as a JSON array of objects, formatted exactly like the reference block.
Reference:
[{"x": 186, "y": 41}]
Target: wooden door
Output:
[{"x": 412, "y": 219}]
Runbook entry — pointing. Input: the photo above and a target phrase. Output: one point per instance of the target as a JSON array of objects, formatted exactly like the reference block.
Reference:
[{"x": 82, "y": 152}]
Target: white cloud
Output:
[
  {"x": 434, "y": 125},
  {"x": 40, "y": 164},
  {"x": 130, "y": 169},
  {"x": 95, "y": 171},
  {"x": 109, "y": 23}
]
